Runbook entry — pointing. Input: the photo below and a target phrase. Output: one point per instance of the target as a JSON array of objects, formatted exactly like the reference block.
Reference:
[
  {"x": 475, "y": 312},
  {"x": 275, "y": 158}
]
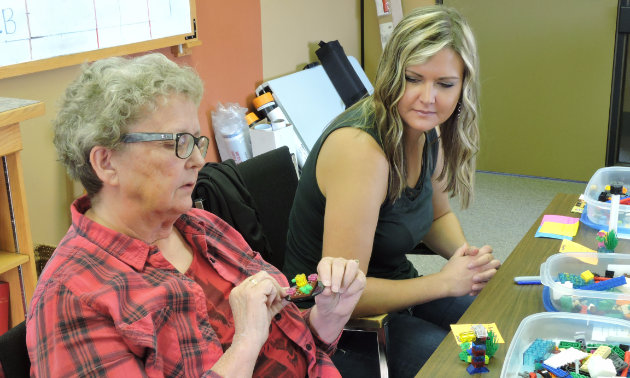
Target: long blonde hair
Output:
[{"x": 417, "y": 38}]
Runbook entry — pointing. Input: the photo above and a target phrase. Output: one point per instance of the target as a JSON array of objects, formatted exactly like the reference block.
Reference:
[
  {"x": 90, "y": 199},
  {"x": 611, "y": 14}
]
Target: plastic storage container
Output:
[
  {"x": 576, "y": 263},
  {"x": 599, "y": 212},
  {"x": 560, "y": 327}
]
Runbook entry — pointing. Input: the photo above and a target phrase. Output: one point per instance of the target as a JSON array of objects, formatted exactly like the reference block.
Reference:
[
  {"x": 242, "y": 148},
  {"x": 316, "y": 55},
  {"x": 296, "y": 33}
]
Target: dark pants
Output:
[{"x": 411, "y": 340}]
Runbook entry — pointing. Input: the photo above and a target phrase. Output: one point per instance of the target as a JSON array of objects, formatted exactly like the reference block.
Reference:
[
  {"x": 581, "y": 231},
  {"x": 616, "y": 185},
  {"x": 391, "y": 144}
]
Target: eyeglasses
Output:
[{"x": 184, "y": 142}]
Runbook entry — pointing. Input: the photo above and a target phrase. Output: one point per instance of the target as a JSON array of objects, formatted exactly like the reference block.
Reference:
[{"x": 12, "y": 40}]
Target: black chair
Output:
[
  {"x": 271, "y": 180},
  {"x": 13, "y": 353}
]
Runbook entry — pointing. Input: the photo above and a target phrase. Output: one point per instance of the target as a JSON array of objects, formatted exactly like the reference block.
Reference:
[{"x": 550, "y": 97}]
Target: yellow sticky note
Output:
[
  {"x": 560, "y": 228},
  {"x": 571, "y": 246},
  {"x": 459, "y": 328}
]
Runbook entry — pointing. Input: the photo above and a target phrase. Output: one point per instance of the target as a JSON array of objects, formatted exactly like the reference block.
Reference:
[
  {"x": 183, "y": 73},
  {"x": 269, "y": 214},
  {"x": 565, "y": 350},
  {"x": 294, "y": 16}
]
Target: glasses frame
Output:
[{"x": 154, "y": 137}]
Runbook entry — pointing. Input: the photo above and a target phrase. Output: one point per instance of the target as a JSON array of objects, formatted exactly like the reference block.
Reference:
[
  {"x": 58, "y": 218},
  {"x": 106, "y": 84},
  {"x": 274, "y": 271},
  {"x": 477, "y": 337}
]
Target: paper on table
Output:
[
  {"x": 553, "y": 236},
  {"x": 559, "y": 228},
  {"x": 571, "y": 246},
  {"x": 459, "y": 328},
  {"x": 559, "y": 219}
]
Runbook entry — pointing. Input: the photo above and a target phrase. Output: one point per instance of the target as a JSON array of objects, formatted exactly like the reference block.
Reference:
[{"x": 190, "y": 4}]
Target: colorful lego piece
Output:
[
  {"x": 557, "y": 372},
  {"x": 611, "y": 241},
  {"x": 467, "y": 336},
  {"x": 601, "y": 240},
  {"x": 484, "y": 346},
  {"x": 605, "y": 285},
  {"x": 587, "y": 276},
  {"x": 539, "y": 351},
  {"x": 603, "y": 352}
]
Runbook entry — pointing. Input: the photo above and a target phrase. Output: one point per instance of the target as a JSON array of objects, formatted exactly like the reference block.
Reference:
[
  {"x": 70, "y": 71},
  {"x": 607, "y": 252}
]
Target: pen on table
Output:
[{"x": 528, "y": 280}]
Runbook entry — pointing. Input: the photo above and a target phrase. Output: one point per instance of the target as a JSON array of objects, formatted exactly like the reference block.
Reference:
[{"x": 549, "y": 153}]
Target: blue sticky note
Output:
[{"x": 552, "y": 236}]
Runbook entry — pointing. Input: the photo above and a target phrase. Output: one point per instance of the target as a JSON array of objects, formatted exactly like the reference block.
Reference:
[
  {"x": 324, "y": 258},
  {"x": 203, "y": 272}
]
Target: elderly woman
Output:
[{"x": 143, "y": 285}]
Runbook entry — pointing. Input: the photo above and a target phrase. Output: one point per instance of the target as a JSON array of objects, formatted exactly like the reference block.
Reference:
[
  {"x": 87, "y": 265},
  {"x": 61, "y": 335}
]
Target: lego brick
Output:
[
  {"x": 603, "y": 352},
  {"x": 604, "y": 285},
  {"x": 618, "y": 362},
  {"x": 557, "y": 372}
]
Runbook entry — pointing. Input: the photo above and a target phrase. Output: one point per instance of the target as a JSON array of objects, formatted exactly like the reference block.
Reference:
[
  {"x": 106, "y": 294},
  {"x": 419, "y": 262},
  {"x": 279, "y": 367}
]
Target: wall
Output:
[
  {"x": 546, "y": 69},
  {"x": 229, "y": 62},
  {"x": 292, "y": 29},
  {"x": 373, "y": 47}
]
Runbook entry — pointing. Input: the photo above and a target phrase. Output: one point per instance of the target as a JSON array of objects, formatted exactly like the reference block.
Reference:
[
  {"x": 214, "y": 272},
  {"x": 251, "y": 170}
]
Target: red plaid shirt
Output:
[{"x": 110, "y": 305}]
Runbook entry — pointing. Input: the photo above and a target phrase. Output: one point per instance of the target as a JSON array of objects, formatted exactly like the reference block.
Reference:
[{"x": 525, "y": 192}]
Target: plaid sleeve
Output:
[
  {"x": 1, "y": 371},
  {"x": 328, "y": 348},
  {"x": 65, "y": 337}
]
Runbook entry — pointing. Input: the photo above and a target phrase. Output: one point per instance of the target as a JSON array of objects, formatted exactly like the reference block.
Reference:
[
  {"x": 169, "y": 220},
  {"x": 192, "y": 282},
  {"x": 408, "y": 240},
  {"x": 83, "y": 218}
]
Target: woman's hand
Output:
[
  {"x": 488, "y": 264},
  {"x": 457, "y": 274},
  {"x": 344, "y": 283},
  {"x": 254, "y": 302}
]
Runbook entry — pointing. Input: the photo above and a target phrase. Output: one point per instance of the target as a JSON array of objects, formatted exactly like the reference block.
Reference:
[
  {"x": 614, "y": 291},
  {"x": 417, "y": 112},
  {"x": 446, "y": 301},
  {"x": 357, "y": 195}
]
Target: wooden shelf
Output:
[{"x": 9, "y": 260}]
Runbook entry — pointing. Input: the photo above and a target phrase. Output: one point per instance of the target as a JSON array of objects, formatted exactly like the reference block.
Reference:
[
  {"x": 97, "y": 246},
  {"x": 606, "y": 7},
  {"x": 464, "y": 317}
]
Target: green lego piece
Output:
[
  {"x": 487, "y": 359},
  {"x": 611, "y": 240},
  {"x": 605, "y": 305},
  {"x": 491, "y": 344},
  {"x": 618, "y": 351},
  {"x": 569, "y": 344},
  {"x": 566, "y": 303},
  {"x": 576, "y": 375},
  {"x": 465, "y": 346},
  {"x": 306, "y": 289},
  {"x": 537, "y": 366},
  {"x": 464, "y": 356}
]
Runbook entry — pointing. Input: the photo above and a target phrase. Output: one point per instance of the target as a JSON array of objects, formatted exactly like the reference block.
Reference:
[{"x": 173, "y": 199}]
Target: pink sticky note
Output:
[{"x": 559, "y": 219}]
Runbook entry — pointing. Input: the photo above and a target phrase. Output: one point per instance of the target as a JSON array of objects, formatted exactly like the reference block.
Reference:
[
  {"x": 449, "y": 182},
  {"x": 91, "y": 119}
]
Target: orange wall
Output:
[{"x": 229, "y": 61}]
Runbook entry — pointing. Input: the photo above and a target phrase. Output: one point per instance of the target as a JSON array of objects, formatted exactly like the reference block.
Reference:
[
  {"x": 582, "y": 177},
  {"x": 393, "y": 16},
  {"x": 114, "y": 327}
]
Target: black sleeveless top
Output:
[{"x": 401, "y": 225}]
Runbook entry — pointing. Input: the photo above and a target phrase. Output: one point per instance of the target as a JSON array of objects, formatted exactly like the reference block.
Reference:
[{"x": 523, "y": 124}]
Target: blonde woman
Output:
[{"x": 377, "y": 183}]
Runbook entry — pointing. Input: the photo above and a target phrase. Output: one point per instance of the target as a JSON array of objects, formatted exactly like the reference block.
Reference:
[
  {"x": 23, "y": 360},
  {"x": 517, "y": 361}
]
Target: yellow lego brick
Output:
[
  {"x": 587, "y": 276},
  {"x": 603, "y": 351}
]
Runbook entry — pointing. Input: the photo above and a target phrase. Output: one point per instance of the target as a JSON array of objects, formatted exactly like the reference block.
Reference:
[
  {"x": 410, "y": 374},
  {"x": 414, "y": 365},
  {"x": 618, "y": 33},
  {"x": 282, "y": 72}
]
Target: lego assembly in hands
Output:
[{"x": 304, "y": 289}]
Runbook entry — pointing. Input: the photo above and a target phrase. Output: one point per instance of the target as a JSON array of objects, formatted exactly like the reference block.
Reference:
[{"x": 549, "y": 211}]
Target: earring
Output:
[{"x": 459, "y": 109}]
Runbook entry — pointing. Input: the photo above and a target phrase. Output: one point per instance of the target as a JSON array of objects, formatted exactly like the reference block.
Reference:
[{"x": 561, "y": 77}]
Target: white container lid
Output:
[
  {"x": 571, "y": 263},
  {"x": 558, "y": 326}
]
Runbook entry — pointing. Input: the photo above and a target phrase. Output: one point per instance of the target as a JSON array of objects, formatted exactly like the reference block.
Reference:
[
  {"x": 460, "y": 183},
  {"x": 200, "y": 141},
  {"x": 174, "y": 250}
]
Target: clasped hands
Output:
[
  {"x": 257, "y": 299},
  {"x": 469, "y": 270}
]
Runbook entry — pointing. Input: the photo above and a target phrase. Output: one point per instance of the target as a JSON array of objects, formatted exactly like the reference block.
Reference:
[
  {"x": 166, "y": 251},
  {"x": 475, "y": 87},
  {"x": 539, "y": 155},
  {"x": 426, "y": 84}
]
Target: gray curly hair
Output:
[{"x": 108, "y": 97}]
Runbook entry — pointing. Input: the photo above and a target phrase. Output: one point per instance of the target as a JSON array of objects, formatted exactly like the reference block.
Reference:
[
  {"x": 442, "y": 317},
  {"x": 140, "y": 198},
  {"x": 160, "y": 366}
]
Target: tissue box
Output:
[{"x": 267, "y": 140}]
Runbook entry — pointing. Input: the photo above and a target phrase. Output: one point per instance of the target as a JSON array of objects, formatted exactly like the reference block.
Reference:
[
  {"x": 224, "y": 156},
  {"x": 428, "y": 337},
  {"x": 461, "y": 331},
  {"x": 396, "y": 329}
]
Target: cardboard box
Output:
[{"x": 267, "y": 140}]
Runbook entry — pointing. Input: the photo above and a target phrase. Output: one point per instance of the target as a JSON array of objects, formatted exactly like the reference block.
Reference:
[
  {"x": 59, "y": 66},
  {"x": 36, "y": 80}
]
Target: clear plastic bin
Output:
[
  {"x": 558, "y": 327},
  {"x": 599, "y": 212},
  {"x": 576, "y": 263}
]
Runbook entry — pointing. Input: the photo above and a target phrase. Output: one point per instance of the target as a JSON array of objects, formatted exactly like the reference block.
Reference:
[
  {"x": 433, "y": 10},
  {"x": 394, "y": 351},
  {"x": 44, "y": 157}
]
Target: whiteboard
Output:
[{"x": 32, "y": 30}]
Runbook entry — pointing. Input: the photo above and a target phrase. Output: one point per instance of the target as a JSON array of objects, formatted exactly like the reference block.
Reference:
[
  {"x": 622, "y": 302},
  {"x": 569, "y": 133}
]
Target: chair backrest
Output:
[
  {"x": 13, "y": 353},
  {"x": 272, "y": 181}
]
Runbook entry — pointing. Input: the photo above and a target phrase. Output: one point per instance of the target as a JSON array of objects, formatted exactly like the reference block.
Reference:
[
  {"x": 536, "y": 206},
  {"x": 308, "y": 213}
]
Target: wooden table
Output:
[{"x": 505, "y": 303}]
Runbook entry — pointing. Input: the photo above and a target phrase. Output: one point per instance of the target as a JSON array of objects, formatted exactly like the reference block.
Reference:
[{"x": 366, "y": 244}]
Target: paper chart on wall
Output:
[{"x": 39, "y": 29}]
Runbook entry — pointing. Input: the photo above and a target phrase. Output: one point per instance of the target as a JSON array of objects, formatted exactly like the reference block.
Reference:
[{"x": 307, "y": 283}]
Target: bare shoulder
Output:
[
  {"x": 350, "y": 143},
  {"x": 351, "y": 154}
]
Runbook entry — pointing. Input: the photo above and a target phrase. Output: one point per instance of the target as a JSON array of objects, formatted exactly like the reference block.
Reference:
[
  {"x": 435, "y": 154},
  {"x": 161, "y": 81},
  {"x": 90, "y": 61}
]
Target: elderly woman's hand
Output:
[
  {"x": 344, "y": 283},
  {"x": 254, "y": 303}
]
